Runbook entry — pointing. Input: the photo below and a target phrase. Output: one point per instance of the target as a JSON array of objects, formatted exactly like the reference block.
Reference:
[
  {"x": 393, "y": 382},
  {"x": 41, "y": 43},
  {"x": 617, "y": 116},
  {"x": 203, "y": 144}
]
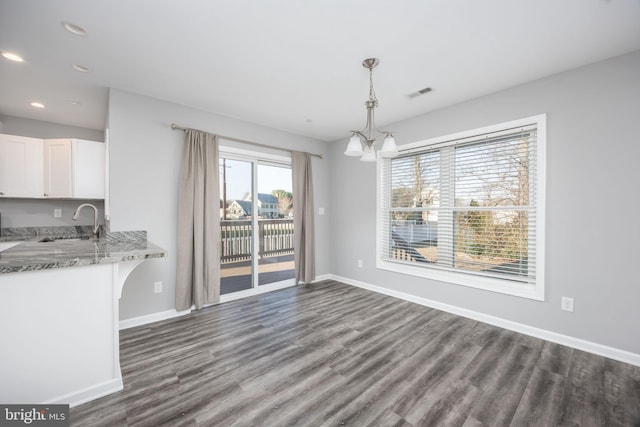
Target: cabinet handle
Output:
[{"x": 46, "y": 195}]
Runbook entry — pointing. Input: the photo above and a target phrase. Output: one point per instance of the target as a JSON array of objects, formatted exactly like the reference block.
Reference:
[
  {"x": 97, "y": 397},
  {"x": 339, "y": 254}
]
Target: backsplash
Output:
[
  {"x": 27, "y": 233},
  {"x": 40, "y": 212}
]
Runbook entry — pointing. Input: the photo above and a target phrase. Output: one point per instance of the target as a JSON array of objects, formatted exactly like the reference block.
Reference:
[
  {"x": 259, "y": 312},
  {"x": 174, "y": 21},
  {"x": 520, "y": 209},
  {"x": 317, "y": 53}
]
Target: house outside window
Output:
[
  {"x": 268, "y": 205},
  {"x": 468, "y": 208}
]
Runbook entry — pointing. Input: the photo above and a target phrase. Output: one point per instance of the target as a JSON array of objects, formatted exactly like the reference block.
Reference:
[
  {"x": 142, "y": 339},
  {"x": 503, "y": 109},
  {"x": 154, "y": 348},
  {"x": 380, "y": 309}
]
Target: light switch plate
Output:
[{"x": 57, "y": 213}]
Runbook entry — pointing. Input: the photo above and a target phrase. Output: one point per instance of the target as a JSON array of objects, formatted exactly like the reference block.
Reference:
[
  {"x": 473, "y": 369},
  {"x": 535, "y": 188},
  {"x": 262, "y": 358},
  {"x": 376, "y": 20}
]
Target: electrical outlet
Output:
[
  {"x": 360, "y": 263},
  {"x": 57, "y": 213},
  {"x": 567, "y": 304},
  {"x": 320, "y": 211},
  {"x": 157, "y": 287}
]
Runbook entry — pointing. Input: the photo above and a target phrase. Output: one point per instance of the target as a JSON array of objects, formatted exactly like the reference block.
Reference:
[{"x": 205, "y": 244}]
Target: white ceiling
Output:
[{"x": 294, "y": 64}]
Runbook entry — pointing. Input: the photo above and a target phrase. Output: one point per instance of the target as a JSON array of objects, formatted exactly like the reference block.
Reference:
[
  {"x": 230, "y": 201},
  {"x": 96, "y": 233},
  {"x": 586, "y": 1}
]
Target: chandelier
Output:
[{"x": 361, "y": 141}]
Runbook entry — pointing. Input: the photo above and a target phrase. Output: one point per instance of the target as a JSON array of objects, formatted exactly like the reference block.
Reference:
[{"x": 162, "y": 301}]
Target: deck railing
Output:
[{"x": 275, "y": 237}]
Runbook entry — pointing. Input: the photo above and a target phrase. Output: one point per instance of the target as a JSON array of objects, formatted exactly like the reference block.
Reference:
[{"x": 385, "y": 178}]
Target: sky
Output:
[{"x": 239, "y": 179}]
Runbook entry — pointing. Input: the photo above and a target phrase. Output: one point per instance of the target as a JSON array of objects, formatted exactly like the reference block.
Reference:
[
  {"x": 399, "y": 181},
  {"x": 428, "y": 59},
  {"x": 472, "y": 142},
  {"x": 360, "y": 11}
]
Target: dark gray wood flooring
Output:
[{"x": 331, "y": 354}]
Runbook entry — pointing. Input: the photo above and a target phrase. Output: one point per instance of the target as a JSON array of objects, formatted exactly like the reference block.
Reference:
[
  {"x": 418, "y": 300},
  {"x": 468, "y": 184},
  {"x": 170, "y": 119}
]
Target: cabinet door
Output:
[
  {"x": 20, "y": 166},
  {"x": 89, "y": 169},
  {"x": 58, "y": 171}
]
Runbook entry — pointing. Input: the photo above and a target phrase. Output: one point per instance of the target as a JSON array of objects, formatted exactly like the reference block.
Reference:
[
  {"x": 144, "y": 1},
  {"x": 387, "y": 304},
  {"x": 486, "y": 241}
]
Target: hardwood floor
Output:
[{"x": 331, "y": 354}]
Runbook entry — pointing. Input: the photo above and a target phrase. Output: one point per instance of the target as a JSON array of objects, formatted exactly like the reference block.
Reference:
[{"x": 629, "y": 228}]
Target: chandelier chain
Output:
[{"x": 372, "y": 92}]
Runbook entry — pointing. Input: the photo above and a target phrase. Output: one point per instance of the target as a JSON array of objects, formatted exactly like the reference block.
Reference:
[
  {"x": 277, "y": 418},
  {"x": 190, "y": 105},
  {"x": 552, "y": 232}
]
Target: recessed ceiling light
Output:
[
  {"x": 75, "y": 29},
  {"x": 81, "y": 68},
  {"x": 12, "y": 56},
  {"x": 37, "y": 104},
  {"x": 74, "y": 102}
]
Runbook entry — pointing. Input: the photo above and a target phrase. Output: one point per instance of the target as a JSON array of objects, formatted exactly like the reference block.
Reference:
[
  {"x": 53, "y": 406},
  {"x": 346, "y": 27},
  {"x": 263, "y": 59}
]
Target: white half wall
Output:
[
  {"x": 60, "y": 342},
  {"x": 593, "y": 233}
]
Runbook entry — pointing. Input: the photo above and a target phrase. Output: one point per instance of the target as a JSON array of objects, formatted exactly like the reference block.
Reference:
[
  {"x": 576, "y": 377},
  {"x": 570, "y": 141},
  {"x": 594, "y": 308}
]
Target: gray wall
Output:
[
  {"x": 144, "y": 165},
  {"x": 36, "y": 212},
  {"x": 593, "y": 147}
]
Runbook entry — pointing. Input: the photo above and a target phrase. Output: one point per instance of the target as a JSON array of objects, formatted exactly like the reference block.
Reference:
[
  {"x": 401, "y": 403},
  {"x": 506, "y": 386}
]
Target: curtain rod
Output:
[{"x": 176, "y": 127}]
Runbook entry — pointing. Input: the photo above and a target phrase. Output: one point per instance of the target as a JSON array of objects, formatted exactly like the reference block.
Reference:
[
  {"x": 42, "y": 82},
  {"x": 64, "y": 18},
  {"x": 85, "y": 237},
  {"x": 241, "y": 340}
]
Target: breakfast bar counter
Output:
[
  {"x": 59, "y": 315},
  {"x": 46, "y": 253}
]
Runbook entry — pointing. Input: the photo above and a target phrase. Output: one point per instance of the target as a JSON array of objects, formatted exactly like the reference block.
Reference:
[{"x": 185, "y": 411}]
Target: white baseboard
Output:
[
  {"x": 323, "y": 277},
  {"x": 150, "y": 318},
  {"x": 569, "y": 341},
  {"x": 90, "y": 393}
]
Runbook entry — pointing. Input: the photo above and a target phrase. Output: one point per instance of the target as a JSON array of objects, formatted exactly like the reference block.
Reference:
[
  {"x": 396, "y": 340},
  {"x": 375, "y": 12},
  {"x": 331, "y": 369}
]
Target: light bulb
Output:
[
  {"x": 389, "y": 148},
  {"x": 369, "y": 154},
  {"x": 355, "y": 147}
]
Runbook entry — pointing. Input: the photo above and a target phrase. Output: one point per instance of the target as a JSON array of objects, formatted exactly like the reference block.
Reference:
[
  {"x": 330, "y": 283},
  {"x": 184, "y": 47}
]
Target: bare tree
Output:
[{"x": 502, "y": 179}]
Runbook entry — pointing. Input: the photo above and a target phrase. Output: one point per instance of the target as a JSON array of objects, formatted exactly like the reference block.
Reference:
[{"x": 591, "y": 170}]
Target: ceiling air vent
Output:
[{"x": 420, "y": 92}]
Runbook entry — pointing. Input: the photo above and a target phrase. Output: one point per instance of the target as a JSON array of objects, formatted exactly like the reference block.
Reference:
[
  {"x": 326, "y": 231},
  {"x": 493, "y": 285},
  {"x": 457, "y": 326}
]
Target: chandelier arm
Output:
[
  {"x": 383, "y": 132},
  {"x": 362, "y": 135}
]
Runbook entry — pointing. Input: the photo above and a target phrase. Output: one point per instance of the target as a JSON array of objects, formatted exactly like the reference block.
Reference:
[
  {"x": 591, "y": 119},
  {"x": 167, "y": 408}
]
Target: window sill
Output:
[{"x": 522, "y": 290}]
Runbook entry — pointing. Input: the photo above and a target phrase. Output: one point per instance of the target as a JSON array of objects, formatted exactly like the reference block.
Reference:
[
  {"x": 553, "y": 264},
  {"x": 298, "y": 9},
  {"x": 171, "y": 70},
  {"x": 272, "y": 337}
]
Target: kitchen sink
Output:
[{"x": 53, "y": 239}]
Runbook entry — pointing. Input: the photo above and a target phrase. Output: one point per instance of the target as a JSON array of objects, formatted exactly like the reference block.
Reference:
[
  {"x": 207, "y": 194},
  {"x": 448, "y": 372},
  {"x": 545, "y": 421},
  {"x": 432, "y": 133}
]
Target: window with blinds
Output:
[{"x": 468, "y": 208}]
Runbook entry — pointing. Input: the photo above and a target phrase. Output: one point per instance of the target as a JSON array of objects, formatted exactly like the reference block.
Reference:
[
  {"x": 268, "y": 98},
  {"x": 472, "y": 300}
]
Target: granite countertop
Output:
[{"x": 32, "y": 255}]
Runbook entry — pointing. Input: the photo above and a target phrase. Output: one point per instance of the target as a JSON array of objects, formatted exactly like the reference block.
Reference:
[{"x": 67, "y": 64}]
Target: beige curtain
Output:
[
  {"x": 198, "y": 269},
  {"x": 304, "y": 240}
]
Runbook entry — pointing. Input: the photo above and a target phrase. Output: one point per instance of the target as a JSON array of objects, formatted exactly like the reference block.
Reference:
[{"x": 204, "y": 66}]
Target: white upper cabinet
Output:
[
  {"x": 21, "y": 173},
  {"x": 58, "y": 169},
  {"x": 74, "y": 168}
]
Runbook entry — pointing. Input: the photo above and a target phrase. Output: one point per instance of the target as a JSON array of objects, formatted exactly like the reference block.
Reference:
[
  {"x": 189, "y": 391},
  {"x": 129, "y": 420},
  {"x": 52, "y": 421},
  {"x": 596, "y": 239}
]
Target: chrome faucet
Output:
[{"x": 95, "y": 216}]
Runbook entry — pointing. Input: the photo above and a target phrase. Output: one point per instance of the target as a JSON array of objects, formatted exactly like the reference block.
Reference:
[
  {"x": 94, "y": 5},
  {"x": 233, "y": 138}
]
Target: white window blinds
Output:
[{"x": 465, "y": 205}]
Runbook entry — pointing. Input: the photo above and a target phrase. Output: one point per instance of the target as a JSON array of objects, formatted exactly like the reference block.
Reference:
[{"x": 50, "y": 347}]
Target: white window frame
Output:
[{"x": 534, "y": 291}]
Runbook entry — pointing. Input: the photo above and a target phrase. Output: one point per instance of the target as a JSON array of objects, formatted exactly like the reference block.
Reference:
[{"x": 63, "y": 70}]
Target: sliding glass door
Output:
[
  {"x": 275, "y": 224},
  {"x": 256, "y": 223},
  {"x": 236, "y": 254}
]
